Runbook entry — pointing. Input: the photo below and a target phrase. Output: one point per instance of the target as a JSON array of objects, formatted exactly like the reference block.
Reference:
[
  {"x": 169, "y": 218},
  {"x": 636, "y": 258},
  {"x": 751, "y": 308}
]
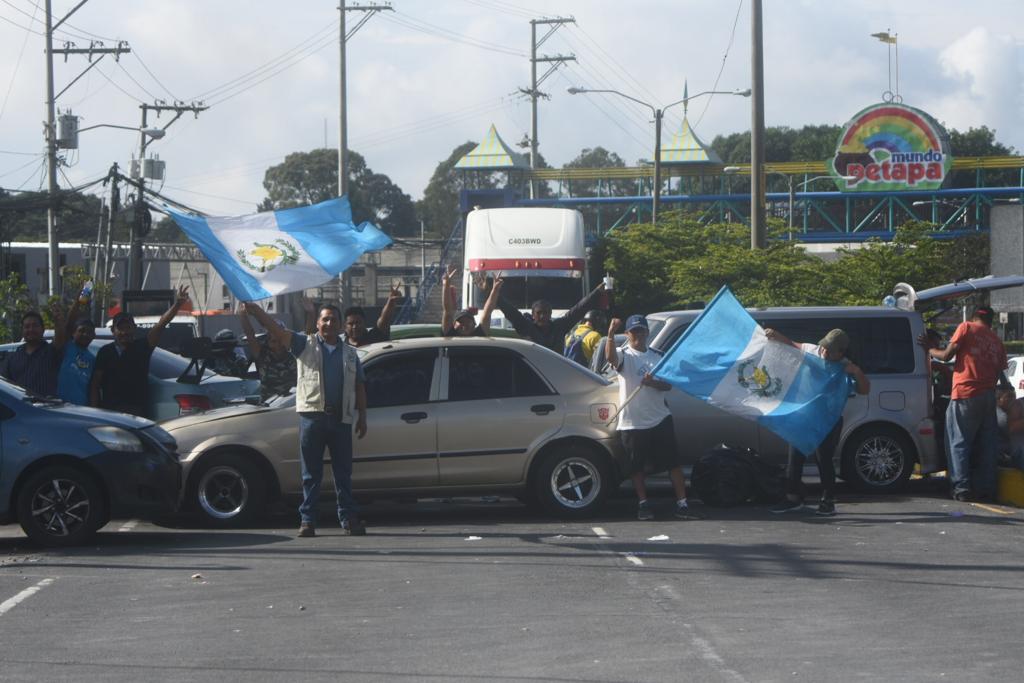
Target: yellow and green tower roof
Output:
[
  {"x": 492, "y": 153},
  {"x": 685, "y": 147}
]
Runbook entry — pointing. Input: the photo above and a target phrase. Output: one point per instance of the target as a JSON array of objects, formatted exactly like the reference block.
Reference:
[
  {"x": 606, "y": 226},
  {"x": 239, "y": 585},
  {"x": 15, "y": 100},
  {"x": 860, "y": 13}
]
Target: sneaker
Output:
[
  {"x": 826, "y": 508},
  {"x": 786, "y": 505},
  {"x": 353, "y": 526},
  {"x": 644, "y": 512},
  {"x": 306, "y": 530},
  {"x": 963, "y": 496},
  {"x": 686, "y": 512}
]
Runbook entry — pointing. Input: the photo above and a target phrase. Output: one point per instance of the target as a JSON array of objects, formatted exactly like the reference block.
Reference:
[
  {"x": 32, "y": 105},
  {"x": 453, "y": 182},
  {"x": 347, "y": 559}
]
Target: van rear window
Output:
[{"x": 880, "y": 346}]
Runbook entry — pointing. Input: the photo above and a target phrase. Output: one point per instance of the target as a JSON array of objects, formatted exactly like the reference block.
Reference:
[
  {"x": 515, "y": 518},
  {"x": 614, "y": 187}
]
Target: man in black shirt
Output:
[
  {"x": 356, "y": 332},
  {"x": 121, "y": 378},
  {"x": 542, "y": 329},
  {"x": 34, "y": 365}
]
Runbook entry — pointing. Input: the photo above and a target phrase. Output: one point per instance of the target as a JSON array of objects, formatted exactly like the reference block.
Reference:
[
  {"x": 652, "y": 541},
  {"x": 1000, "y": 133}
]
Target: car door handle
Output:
[
  {"x": 543, "y": 408},
  {"x": 413, "y": 418}
]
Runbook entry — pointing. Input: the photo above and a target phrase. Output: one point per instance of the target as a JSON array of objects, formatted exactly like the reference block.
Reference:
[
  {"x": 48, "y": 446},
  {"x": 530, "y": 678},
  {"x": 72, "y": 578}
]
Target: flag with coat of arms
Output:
[
  {"x": 725, "y": 359},
  {"x": 276, "y": 252}
]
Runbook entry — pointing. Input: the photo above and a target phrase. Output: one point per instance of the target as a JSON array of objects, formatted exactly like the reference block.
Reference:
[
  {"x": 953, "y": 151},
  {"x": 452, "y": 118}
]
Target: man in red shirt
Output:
[{"x": 972, "y": 431}]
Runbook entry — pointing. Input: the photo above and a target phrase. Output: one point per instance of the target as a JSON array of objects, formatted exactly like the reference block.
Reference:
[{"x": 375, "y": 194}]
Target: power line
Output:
[
  {"x": 614, "y": 120},
  {"x": 25, "y": 165},
  {"x": 135, "y": 53},
  {"x": 330, "y": 29},
  {"x": 732, "y": 36},
  {"x": 132, "y": 79},
  {"x": 17, "y": 67},
  {"x": 414, "y": 24}
]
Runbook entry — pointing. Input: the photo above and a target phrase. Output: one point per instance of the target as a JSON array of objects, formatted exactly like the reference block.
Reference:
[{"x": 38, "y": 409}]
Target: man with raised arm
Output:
[
  {"x": 330, "y": 397},
  {"x": 356, "y": 332},
  {"x": 463, "y": 323},
  {"x": 120, "y": 380}
]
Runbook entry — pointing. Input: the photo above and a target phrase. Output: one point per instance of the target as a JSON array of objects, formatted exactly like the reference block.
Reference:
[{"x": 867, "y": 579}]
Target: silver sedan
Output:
[{"x": 466, "y": 416}]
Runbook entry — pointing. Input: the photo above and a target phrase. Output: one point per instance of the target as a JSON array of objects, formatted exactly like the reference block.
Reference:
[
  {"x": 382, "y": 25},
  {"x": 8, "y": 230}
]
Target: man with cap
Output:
[
  {"x": 581, "y": 342},
  {"x": 644, "y": 421},
  {"x": 972, "y": 429},
  {"x": 121, "y": 378},
  {"x": 463, "y": 323},
  {"x": 832, "y": 347}
]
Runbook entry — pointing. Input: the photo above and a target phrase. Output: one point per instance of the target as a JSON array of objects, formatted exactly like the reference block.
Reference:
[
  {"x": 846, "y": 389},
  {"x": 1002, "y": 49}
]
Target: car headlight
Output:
[{"x": 117, "y": 439}]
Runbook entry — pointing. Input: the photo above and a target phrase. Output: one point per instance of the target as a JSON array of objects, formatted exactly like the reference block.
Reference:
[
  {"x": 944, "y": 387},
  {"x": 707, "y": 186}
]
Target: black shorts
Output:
[{"x": 651, "y": 450}]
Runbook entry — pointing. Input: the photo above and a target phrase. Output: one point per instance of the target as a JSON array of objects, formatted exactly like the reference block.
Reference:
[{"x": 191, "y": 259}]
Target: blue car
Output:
[{"x": 65, "y": 470}]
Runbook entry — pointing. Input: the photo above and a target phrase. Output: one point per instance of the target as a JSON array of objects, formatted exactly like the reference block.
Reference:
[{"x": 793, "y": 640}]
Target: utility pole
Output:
[
  {"x": 140, "y": 227},
  {"x": 343, "y": 36},
  {"x": 758, "y": 238},
  {"x": 533, "y": 93},
  {"x": 95, "y": 48}
]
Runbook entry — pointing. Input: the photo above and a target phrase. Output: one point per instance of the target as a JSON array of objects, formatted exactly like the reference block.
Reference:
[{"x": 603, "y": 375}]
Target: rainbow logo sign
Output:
[{"x": 890, "y": 147}]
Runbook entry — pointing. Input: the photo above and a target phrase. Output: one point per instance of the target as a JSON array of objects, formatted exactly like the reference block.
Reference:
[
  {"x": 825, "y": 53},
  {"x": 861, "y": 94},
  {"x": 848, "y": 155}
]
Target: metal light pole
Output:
[
  {"x": 658, "y": 116},
  {"x": 53, "y": 248},
  {"x": 757, "y": 227}
]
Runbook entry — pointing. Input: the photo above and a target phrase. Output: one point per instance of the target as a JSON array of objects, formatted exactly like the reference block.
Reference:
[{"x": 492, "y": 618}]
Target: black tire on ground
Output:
[
  {"x": 228, "y": 490},
  {"x": 572, "y": 481},
  {"x": 878, "y": 459},
  {"x": 61, "y": 506}
]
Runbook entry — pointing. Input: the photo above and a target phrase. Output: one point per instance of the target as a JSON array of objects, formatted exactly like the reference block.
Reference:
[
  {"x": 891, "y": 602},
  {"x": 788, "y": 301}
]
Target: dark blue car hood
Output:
[{"x": 97, "y": 416}]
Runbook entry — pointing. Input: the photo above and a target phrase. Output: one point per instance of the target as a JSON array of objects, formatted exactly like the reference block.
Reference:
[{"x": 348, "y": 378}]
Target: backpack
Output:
[
  {"x": 574, "y": 348},
  {"x": 729, "y": 476}
]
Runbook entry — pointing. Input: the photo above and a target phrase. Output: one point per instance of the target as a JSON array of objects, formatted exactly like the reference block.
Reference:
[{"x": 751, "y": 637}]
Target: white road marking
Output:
[
  {"x": 601, "y": 533},
  {"x": 634, "y": 559},
  {"x": 129, "y": 525},
  {"x": 8, "y": 605}
]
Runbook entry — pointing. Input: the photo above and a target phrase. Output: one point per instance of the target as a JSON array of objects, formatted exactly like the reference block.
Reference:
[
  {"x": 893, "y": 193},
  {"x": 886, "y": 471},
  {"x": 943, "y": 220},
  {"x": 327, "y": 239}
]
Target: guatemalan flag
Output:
[
  {"x": 275, "y": 252},
  {"x": 725, "y": 358}
]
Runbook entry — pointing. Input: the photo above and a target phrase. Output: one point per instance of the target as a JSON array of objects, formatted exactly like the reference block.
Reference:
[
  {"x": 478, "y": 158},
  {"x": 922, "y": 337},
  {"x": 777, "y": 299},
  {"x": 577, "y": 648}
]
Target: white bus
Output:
[{"x": 539, "y": 251}]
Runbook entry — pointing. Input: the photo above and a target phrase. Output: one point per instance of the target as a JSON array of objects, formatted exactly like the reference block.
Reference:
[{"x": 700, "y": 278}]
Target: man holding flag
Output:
[
  {"x": 831, "y": 348},
  {"x": 726, "y": 359},
  {"x": 277, "y": 252},
  {"x": 645, "y": 423}
]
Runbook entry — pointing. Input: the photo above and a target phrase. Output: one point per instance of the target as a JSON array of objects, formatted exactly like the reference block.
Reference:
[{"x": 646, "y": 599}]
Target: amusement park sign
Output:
[{"x": 889, "y": 147}]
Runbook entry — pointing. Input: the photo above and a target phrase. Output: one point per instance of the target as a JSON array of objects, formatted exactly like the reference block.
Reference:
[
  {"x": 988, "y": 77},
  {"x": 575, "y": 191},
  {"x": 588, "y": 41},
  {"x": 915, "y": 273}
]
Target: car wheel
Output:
[
  {"x": 60, "y": 506},
  {"x": 572, "y": 481},
  {"x": 878, "y": 459},
  {"x": 228, "y": 490}
]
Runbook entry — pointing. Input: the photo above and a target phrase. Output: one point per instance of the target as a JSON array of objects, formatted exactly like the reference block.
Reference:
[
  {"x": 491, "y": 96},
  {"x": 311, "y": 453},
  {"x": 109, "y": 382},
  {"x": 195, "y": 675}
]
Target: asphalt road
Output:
[{"x": 911, "y": 588}]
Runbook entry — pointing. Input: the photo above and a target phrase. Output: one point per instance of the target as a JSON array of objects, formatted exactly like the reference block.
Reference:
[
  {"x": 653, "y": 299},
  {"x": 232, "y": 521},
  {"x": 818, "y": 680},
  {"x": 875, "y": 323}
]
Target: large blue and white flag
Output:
[
  {"x": 276, "y": 252},
  {"x": 725, "y": 358}
]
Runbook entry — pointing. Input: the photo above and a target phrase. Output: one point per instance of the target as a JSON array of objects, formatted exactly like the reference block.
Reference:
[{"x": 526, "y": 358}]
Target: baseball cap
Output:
[
  {"x": 464, "y": 313},
  {"x": 984, "y": 312},
  {"x": 122, "y": 317},
  {"x": 835, "y": 340},
  {"x": 636, "y": 321}
]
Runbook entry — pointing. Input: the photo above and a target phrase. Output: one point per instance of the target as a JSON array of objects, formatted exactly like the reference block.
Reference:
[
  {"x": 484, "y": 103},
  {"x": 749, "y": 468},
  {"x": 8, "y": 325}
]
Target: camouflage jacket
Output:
[{"x": 277, "y": 374}]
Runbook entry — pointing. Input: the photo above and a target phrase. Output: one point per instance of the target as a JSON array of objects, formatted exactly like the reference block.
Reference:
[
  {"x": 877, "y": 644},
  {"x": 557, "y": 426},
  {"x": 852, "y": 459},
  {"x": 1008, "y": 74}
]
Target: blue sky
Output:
[{"x": 436, "y": 73}]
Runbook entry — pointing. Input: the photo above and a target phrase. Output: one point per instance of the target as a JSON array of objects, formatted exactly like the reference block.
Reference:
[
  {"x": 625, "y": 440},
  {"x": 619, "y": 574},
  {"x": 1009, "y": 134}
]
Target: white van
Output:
[{"x": 886, "y": 432}]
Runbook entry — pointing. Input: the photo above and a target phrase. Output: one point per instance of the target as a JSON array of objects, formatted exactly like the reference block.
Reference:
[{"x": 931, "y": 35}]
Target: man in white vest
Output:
[{"x": 330, "y": 396}]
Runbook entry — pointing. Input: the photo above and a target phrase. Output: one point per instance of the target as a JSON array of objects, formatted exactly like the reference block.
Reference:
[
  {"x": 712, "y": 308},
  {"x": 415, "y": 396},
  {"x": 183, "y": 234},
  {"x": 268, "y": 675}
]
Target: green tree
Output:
[
  {"x": 863, "y": 276},
  {"x": 306, "y": 178},
  {"x": 23, "y": 216},
  {"x": 979, "y": 142},
  {"x": 599, "y": 157},
  {"x": 439, "y": 207},
  {"x": 14, "y": 302}
]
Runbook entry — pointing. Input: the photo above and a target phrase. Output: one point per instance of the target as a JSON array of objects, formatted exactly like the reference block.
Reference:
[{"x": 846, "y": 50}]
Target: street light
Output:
[
  {"x": 658, "y": 114},
  {"x": 155, "y": 133}
]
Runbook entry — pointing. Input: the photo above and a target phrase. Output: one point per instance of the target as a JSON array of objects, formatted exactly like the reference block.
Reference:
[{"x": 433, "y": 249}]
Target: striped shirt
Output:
[{"x": 36, "y": 371}]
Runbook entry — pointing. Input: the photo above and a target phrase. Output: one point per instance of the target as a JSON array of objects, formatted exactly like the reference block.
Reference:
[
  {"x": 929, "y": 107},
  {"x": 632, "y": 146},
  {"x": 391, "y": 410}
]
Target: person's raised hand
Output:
[{"x": 614, "y": 326}]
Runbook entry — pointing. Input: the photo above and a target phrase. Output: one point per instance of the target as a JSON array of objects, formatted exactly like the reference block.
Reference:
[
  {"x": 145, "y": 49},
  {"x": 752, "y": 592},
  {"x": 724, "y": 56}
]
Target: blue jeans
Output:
[
  {"x": 317, "y": 431},
  {"x": 972, "y": 434}
]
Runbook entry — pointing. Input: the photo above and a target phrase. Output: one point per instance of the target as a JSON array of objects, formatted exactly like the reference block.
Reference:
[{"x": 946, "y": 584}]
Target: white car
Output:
[{"x": 1015, "y": 373}]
